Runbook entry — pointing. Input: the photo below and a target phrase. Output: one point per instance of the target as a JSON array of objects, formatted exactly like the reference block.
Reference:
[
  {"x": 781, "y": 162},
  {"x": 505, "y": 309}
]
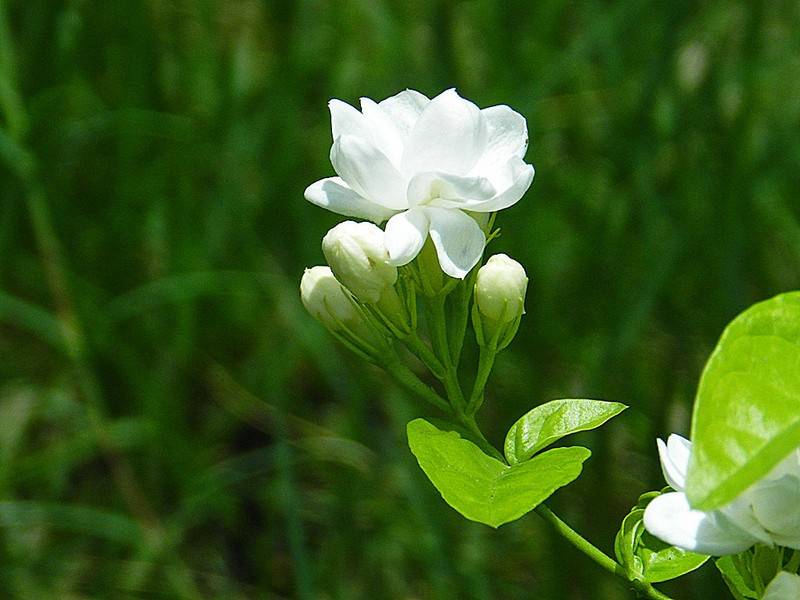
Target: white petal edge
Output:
[
  {"x": 740, "y": 512},
  {"x": 347, "y": 120},
  {"x": 520, "y": 177},
  {"x": 368, "y": 171},
  {"x": 405, "y": 235},
  {"x": 670, "y": 518},
  {"x": 785, "y": 586},
  {"x": 450, "y": 136},
  {"x": 458, "y": 239},
  {"x": 448, "y": 191},
  {"x": 776, "y": 506},
  {"x": 335, "y": 195},
  {"x": 404, "y": 109},
  {"x": 674, "y": 456},
  {"x": 507, "y": 136},
  {"x": 384, "y": 132}
]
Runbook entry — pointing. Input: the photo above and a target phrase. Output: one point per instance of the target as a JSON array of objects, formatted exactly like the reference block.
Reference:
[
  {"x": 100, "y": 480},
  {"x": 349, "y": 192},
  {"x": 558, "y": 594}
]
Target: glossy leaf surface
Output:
[
  {"x": 482, "y": 488},
  {"x": 551, "y": 421},
  {"x": 747, "y": 411}
]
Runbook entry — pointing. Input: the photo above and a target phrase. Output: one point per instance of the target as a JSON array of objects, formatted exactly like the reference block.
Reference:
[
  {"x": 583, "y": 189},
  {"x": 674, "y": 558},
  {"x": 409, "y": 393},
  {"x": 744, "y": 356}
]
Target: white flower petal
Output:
[
  {"x": 450, "y": 135},
  {"x": 404, "y": 109},
  {"x": 788, "y": 466},
  {"x": 776, "y": 506},
  {"x": 458, "y": 239},
  {"x": 740, "y": 511},
  {"x": 785, "y": 586},
  {"x": 670, "y": 518},
  {"x": 335, "y": 195},
  {"x": 446, "y": 190},
  {"x": 405, "y": 235},
  {"x": 384, "y": 132},
  {"x": 519, "y": 176},
  {"x": 507, "y": 136},
  {"x": 346, "y": 120},
  {"x": 674, "y": 457},
  {"x": 367, "y": 170}
]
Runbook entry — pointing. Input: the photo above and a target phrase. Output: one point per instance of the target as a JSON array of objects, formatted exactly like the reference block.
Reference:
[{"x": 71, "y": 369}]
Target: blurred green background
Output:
[{"x": 173, "y": 425}]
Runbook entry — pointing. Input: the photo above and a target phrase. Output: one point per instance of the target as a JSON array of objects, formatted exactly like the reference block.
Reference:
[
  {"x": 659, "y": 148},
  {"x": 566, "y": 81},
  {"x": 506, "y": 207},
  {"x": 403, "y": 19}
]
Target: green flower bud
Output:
[
  {"x": 326, "y": 300},
  {"x": 500, "y": 289},
  {"x": 357, "y": 256}
]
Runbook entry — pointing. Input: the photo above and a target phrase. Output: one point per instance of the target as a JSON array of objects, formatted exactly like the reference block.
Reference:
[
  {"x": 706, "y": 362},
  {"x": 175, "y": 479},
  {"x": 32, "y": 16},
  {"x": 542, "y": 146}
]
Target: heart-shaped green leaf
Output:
[
  {"x": 553, "y": 420},
  {"x": 482, "y": 488},
  {"x": 747, "y": 412}
]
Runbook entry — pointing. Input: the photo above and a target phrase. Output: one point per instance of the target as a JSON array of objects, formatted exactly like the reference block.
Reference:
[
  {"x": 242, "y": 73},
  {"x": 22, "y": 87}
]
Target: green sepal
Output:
[
  {"x": 645, "y": 557},
  {"x": 736, "y": 575}
]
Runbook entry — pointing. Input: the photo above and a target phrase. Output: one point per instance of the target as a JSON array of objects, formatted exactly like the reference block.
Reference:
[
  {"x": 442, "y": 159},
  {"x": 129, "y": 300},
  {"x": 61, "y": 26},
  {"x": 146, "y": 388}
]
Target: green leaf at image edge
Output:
[
  {"x": 549, "y": 422},
  {"x": 482, "y": 488},
  {"x": 747, "y": 412}
]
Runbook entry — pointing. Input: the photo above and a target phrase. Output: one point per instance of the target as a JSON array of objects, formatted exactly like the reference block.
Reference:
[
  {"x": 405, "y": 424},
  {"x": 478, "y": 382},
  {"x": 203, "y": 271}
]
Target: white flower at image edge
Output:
[
  {"x": 420, "y": 163},
  {"x": 785, "y": 586},
  {"x": 768, "y": 512}
]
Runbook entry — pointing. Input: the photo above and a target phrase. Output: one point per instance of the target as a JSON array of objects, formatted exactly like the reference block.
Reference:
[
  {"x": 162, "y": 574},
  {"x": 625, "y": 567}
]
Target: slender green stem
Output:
[
  {"x": 421, "y": 350},
  {"x": 472, "y": 426},
  {"x": 485, "y": 365},
  {"x": 460, "y": 317},
  {"x": 406, "y": 378},
  {"x": 437, "y": 322},
  {"x": 609, "y": 564},
  {"x": 794, "y": 562}
]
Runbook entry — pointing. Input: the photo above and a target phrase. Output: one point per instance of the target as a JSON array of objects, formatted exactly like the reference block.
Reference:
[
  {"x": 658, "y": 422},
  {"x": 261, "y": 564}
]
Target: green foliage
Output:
[
  {"x": 482, "y": 488},
  {"x": 747, "y": 413},
  {"x": 749, "y": 573},
  {"x": 549, "y": 422},
  {"x": 644, "y": 556},
  {"x": 737, "y": 578},
  {"x": 171, "y": 143}
]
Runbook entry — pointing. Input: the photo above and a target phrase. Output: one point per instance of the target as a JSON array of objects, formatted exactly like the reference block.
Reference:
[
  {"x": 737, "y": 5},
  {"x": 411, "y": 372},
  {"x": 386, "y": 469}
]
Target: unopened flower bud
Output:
[
  {"x": 357, "y": 256},
  {"x": 326, "y": 300},
  {"x": 500, "y": 289}
]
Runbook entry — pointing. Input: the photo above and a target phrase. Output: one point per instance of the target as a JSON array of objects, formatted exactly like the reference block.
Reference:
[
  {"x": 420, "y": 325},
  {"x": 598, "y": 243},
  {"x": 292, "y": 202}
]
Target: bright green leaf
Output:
[
  {"x": 646, "y": 557},
  {"x": 663, "y": 562},
  {"x": 553, "y": 420},
  {"x": 747, "y": 411},
  {"x": 735, "y": 578},
  {"x": 482, "y": 488},
  {"x": 626, "y": 542}
]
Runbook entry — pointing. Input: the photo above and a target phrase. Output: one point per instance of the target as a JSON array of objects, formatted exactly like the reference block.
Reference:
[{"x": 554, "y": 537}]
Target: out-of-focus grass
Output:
[{"x": 173, "y": 425}]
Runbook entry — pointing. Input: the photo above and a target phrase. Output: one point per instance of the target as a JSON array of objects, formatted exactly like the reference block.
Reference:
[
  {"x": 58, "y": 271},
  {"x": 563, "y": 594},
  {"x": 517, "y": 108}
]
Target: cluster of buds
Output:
[
  {"x": 436, "y": 171},
  {"x": 370, "y": 304},
  {"x": 358, "y": 296}
]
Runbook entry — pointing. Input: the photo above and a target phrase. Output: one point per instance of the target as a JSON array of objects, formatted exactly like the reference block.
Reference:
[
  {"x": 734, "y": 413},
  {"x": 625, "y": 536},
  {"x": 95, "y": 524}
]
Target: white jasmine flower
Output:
[
  {"x": 768, "y": 512},
  {"x": 420, "y": 163}
]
